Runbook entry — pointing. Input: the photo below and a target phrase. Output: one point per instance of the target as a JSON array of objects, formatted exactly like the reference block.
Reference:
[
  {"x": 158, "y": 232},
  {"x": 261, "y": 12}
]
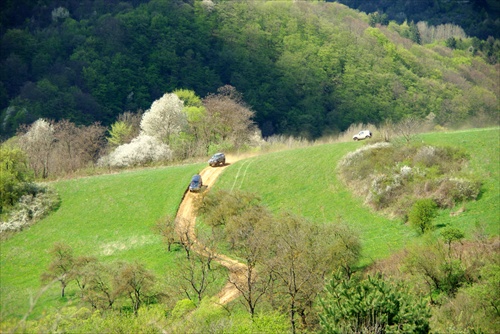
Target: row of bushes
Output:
[
  {"x": 37, "y": 202},
  {"x": 393, "y": 177}
]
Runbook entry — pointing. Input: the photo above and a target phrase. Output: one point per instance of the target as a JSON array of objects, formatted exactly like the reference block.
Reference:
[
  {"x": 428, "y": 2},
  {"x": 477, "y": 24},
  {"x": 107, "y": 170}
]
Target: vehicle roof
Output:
[{"x": 196, "y": 177}]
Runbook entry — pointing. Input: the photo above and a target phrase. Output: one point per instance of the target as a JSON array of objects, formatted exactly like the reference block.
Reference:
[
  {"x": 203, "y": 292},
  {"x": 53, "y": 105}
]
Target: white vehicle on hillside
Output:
[{"x": 362, "y": 135}]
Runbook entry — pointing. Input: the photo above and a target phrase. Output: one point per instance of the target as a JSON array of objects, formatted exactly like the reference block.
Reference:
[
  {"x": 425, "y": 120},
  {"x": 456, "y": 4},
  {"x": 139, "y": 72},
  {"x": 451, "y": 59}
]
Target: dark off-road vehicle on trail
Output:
[
  {"x": 218, "y": 159},
  {"x": 196, "y": 183}
]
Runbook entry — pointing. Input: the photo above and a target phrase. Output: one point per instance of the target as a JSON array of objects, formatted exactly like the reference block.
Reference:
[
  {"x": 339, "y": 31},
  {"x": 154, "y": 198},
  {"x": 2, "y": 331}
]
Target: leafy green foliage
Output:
[
  {"x": 477, "y": 18},
  {"x": 117, "y": 220},
  {"x": 354, "y": 305},
  {"x": 119, "y": 133},
  {"x": 306, "y": 69},
  {"x": 451, "y": 234},
  {"x": 474, "y": 308},
  {"x": 302, "y": 252},
  {"x": 421, "y": 214},
  {"x": 182, "y": 307},
  {"x": 15, "y": 174},
  {"x": 443, "y": 268}
]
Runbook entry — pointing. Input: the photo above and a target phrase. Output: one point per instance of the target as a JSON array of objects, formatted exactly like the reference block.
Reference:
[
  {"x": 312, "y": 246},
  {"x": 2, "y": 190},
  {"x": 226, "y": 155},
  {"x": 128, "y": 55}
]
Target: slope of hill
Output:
[
  {"x": 111, "y": 216},
  {"x": 305, "y": 182},
  {"x": 306, "y": 68},
  {"x": 479, "y": 18}
]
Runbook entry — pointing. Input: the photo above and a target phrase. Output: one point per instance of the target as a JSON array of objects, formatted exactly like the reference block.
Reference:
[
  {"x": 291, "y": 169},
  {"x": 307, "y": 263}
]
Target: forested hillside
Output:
[
  {"x": 305, "y": 68},
  {"x": 479, "y": 18}
]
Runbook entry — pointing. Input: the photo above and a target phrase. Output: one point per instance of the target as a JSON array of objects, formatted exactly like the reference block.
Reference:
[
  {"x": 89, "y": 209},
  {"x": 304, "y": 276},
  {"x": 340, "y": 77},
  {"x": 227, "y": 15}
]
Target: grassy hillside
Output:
[
  {"x": 304, "y": 181},
  {"x": 111, "y": 216},
  {"x": 107, "y": 216}
]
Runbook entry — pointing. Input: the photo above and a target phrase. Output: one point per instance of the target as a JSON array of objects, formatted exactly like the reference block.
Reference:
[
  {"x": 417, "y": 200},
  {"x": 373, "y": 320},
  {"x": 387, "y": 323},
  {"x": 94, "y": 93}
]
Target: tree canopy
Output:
[{"x": 303, "y": 68}]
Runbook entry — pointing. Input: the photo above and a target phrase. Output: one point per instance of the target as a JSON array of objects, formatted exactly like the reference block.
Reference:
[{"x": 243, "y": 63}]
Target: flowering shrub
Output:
[
  {"x": 353, "y": 158},
  {"x": 32, "y": 207},
  {"x": 159, "y": 124},
  {"x": 37, "y": 143},
  {"x": 393, "y": 178},
  {"x": 451, "y": 190},
  {"x": 141, "y": 150},
  {"x": 165, "y": 118}
]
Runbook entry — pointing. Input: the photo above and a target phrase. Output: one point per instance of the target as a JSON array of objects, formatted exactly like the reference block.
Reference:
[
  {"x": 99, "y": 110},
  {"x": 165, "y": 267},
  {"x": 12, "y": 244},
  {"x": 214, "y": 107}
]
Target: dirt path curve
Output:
[{"x": 185, "y": 222}]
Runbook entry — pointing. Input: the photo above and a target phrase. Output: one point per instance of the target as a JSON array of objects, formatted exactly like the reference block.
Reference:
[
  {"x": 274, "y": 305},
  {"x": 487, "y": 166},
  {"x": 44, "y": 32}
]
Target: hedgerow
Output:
[
  {"x": 392, "y": 177},
  {"x": 38, "y": 201}
]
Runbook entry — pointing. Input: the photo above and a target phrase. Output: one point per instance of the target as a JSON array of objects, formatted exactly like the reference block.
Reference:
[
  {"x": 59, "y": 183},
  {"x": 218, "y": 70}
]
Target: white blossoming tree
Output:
[
  {"x": 160, "y": 125},
  {"x": 141, "y": 150},
  {"x": 165, "y": 119},
  {"x": 37, "y": 142}
]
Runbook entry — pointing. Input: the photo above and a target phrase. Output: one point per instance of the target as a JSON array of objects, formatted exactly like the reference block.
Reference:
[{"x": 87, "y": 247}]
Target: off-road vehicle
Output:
[
  {"x": 196, "y": 183},
  {"x": 362, "y": 135},
  {"x": 218, "y": 159}
]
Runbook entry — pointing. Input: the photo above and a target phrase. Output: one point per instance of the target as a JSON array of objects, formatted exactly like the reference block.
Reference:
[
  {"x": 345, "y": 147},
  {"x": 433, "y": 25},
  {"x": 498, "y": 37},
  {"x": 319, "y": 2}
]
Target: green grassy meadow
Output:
[
  {"x": 107, "y": 216},
  {"x": 304, "y": 181},
  {"x": 111, "y": 216}
]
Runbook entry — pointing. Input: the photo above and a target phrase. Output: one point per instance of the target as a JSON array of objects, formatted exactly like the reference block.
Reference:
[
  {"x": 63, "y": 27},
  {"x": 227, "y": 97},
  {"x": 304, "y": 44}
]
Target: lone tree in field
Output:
[
  {"x": 165, "y": 227},
  {"x": 62, "y": 265}
]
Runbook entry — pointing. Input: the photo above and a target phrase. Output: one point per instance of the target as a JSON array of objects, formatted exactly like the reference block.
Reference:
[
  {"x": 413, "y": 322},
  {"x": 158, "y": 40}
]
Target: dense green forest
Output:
[
  {"x": 305, "y": 68},
  {"x": 479, "y": 18}
]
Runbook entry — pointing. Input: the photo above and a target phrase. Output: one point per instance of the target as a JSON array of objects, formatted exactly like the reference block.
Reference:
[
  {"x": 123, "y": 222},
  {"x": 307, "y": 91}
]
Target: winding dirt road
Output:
[{"x": 185, "y": 223}]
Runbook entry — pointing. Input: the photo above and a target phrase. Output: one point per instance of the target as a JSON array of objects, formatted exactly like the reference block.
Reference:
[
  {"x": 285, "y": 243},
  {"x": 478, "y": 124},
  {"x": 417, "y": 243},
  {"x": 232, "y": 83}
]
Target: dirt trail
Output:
[{"x": 186, "y": 220}]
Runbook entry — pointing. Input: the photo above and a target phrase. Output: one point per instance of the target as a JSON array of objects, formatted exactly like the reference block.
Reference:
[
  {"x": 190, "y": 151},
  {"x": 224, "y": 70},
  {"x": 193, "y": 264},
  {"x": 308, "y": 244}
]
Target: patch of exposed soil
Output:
[{"x": 185, "y": 223}]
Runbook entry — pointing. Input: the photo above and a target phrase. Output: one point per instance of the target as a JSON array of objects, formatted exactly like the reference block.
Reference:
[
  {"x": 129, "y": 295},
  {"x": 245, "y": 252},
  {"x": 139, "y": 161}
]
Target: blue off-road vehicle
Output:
[
  {"x": 196, "y": 183},
  {"x": 218, "y": 159}
]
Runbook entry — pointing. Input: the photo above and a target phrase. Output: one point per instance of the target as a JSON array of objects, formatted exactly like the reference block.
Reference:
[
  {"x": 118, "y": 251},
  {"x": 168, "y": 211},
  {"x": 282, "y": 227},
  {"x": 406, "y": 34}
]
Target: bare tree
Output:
[
  {"x": 185, "y": 235},
  {"x": 408, "y": 127},
  {"x": 249, "y": 234},
  {"x": 196, "y": 275},
  {"x": 135, "y": 281},
  {"x": 62, "y": 147},
  {"x": 387, "y": 130},
  {"x": 91, "y": 142},
  {"x": 165, "y": 226},
  {"x": 230, "y": 118},
  {"x": 62, "y": 265},
  {"x": 66, "y": 150},
  {"x": 241, "y": 220},
  {"x": 303, "y": 254},
  {"x": 81, "y": 263},
  {"x": 97, "y": 283}
]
